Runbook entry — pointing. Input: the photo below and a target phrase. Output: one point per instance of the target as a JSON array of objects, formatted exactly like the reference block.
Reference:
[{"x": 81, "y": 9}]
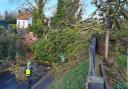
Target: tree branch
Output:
[{"x": 31, "y": 4}]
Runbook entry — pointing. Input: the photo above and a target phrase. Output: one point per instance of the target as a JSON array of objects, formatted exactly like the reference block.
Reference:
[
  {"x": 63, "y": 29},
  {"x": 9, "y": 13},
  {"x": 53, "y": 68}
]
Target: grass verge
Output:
[{"x": 73, "y": 79}]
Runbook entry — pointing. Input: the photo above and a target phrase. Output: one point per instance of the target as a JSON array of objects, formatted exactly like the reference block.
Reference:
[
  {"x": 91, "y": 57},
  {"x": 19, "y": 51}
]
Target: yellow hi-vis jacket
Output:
[{"x": 28, "y": 72}]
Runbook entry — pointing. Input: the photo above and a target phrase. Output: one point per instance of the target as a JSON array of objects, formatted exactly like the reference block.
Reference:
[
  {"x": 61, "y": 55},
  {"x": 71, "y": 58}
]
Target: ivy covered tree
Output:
[
  {"x": 71, "y": 10},
  {"x": 65, "y": 15},
  {"x": 58, "y": 19}
]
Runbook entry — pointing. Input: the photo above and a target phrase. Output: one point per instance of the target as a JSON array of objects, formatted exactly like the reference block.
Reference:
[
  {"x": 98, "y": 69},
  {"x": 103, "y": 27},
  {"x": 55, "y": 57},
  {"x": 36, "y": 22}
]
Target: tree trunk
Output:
[{"x": 106, "y": 44}]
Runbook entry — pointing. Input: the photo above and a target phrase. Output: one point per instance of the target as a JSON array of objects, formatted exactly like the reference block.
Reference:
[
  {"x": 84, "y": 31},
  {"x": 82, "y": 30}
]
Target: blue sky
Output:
[{"x": 11, "y": 5}]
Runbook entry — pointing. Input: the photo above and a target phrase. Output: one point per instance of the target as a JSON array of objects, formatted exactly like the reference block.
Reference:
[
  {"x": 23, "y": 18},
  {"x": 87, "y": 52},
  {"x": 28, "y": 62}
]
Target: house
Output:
[{"x": 24, "y": 19}]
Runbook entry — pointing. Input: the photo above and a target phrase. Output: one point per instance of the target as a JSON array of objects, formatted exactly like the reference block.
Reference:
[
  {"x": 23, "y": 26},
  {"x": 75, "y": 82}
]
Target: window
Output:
[
  {"x": 18, "y": 23},
  {"x": 23, "y": 24}
]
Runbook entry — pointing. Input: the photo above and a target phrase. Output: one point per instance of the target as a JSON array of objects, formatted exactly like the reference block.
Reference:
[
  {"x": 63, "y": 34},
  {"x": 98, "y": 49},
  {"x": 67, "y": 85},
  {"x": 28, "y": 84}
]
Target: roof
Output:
[{"x": 24, "y": 15}]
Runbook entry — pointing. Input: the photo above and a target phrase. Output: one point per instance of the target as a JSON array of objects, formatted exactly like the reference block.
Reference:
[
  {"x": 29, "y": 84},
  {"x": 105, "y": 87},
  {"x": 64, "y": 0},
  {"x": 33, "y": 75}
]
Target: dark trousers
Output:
[{"x": 29, "y": 83}]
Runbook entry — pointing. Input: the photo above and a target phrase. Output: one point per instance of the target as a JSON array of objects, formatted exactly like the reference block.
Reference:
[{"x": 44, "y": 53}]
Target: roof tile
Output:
[{"x": 24, "y": 15}]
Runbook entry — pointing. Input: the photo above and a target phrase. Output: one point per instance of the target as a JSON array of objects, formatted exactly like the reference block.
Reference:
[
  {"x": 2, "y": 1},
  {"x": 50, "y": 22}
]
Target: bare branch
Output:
[
  {"x": 45, "y": 1},
  {"x": 31, "y": 4}
]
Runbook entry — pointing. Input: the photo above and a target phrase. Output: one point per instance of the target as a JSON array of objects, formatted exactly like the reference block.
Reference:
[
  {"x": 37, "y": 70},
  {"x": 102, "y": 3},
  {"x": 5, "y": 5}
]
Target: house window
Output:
[
  {"x": 23, "y": 24},
  {"x": 18, "y": 23}
]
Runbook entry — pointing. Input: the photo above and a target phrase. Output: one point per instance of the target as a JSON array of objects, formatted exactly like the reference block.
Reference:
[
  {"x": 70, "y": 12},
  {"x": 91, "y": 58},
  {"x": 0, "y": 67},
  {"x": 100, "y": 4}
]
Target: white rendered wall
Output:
[
  {"x": 30, "y": 21},
  {"x": 22, "y": 23}
]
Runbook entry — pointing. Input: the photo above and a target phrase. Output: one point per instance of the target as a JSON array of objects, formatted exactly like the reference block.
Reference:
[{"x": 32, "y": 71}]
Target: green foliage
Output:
[
  {"x": 49, "y": 49},
  {"x": 1, "y": 30},
  {"x": 38, "y": 17},
  {"x": 65, "y": 15},
  {"x": 119, "y": 41},
  {"x": 13, "y": 26},
  {"x": 58, "y": 18},
  {"x": 111, "y": 9},
  {"x": 37, "y": 23},
  {"x": 119, "y": 34},
  {"x": 73, "y": 79},
  {"x": 37, "y": 28},
  {"x": 7, "y": 45},
  {"x": 72, "y": 14},
  {"x": 120, "y": 86},
  {"x": 41, "y": 50},
  {"x": 122, "y": 62}
]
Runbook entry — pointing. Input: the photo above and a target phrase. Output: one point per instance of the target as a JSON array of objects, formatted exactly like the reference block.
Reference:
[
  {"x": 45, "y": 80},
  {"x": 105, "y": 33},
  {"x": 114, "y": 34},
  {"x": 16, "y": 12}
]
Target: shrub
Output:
[
  {"x": 37, "y": 28},
  {"x": 68, "y": 41},
  {"x": 121, "y": 83},
  {"x": 122, "y": 61},
  {"x": 13, "y": 26},
  {"x": 7, "y": 45}
]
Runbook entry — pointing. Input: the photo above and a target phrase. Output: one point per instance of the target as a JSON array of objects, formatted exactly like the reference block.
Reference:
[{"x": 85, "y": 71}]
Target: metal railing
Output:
[
  {"x": 92, "y": 50},
  {"x": 93, "y": 82}
]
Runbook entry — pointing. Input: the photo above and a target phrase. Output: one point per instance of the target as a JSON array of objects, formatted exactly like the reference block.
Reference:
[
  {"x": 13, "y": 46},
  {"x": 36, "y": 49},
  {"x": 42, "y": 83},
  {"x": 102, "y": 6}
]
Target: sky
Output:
[{"x": 11, "y": 5}]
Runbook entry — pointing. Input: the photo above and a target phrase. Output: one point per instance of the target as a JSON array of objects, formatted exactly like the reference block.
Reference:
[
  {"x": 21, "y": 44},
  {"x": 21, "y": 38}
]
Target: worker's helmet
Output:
[{"x": 29, "y": 63}]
